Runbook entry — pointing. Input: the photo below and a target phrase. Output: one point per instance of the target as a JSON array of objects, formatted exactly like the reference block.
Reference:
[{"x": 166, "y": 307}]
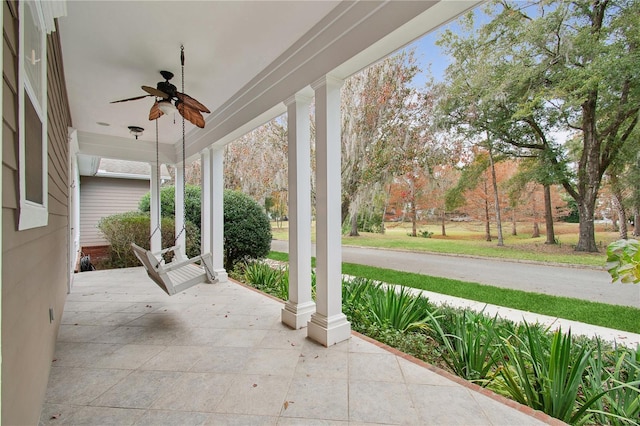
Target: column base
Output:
[
  {"x": 329, "y": 331},
  {"x": 297, "y": 315},
  {"x": 223, "y": 277}
]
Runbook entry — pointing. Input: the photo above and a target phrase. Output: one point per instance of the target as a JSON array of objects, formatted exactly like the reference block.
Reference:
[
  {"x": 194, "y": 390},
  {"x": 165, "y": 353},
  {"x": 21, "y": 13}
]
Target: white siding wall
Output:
[{"x": 102, "y": 196}]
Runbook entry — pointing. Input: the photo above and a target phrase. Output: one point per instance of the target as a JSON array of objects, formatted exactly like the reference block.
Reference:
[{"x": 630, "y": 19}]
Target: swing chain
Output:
[
  {"x": 158, "y": 178},
  {"x": 184, "y": 174}
]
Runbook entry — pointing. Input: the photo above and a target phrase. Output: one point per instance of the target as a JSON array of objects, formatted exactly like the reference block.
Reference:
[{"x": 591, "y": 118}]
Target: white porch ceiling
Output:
[{"x": 243, "y": 59}]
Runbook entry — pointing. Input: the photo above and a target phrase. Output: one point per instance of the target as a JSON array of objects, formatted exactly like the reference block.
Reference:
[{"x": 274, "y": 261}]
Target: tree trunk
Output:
[
  {"x": 487, "y": 224},
  {"x": 587, "y": 230},
  {"x": 548, "y": 215},
  {"x": 384, "y": 210},
  {"x": 622, "y": 214},
  {"x": 354, "y": 226},
  {"x": 636, "y": 218},
  {"x": 444, "y": 231},
  {"x": 536, "y": 227},
  {"x": 514, "y": 230},
  {"x": 414, "y": 218},
  {"x": 589, "y": 176},
  {"x": 496, "y": 198}
]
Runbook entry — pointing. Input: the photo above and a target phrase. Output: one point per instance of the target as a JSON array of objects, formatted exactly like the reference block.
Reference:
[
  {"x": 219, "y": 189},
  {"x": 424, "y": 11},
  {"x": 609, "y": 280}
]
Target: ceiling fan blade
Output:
[
  {"x": 190, "y": 114},
  {"x": 155, "y": 92},
  {"x": 155, "y": 112},
  {"x": 130, "y": 99},
  {"x": 188, "y": 100}
]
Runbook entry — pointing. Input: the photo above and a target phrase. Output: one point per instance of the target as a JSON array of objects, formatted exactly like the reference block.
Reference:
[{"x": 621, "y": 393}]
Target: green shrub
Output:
[
  {"x": 623, "y": 261},
  {"x": 247, "y": 231},
  {"x": 192, "y": 203},
  {"x": 122, "y": 229}
]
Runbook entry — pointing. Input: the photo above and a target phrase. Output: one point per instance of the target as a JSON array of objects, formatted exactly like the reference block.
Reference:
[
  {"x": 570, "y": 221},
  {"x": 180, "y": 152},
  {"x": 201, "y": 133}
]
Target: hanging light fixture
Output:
[
  {"x": 166, "y": 106},
  {"x": 136, "y": 131}
]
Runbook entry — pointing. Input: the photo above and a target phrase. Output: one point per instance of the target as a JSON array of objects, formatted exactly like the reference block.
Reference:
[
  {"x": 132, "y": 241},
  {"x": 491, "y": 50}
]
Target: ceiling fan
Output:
[{"x": 168, "y": 99}]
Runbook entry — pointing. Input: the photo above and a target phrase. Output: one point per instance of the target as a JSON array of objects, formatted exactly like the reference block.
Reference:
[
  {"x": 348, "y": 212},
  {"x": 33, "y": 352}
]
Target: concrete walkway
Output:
[
  {"x": 580, "y": 283},
  {"x": 218, "y": 354}
]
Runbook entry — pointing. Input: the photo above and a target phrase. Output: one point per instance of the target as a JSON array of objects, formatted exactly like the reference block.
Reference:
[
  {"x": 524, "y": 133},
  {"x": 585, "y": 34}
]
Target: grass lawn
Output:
[
  {"x": 468, "y": 238},
  {"x": 611, "y": 316}
]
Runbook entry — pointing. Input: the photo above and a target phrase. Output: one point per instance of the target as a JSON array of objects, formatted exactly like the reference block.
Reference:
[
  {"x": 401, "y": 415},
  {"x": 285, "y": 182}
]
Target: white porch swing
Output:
[{"x": 181, "y": 272}]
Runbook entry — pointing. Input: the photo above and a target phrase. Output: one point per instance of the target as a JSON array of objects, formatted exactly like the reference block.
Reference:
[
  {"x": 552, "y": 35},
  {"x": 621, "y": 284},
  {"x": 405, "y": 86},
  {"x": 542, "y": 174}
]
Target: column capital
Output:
[
  {"x": 327, "y": 80},
  {"x": 304, "y": 96}
]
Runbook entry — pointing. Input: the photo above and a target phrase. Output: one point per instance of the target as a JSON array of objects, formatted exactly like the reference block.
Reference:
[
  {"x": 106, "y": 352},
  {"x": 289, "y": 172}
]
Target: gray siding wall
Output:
[
  {"x": 35, "y": 261},
  {"x": 103, "y": 196}
]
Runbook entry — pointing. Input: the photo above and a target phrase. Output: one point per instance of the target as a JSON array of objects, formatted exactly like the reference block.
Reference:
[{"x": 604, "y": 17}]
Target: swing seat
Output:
[{"x": 179, "y": 274}]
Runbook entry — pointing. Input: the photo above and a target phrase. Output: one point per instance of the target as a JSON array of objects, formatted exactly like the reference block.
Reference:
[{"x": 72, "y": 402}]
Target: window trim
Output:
[{"x": 32, "y": 214}]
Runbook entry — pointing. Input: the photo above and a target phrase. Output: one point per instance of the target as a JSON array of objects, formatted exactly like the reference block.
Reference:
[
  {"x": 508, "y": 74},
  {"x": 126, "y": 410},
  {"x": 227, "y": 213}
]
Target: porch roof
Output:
[
  {"x": 218, "y": 354},
  {"x": 243, "y": 60}
]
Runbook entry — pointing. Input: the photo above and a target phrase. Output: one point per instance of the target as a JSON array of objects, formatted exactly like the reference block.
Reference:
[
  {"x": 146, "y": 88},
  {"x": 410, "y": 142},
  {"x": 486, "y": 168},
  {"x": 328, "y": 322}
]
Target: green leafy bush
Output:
[
  {"x": 122, "y": 229},
  {"x": 192, "y": 203},
  {"x": 247, "y": 231},
  {"x": 623, "y": 261}
]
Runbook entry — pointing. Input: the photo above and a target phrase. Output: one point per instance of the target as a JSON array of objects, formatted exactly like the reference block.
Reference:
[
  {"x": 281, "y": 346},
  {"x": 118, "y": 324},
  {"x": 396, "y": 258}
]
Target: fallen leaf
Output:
[
  {"x": 55, "y": 416},
  {"x": 255, "y": 385},
  {"x": 286, "y": 404},
  {"x": 293, "y": 344},
  {"x": 54, "y": 360}
]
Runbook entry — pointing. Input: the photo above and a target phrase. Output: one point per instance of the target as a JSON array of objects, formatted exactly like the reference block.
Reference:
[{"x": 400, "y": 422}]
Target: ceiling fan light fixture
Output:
[
  {"x": 166, "y": 106},
  {"x": 136, "y": 131}
]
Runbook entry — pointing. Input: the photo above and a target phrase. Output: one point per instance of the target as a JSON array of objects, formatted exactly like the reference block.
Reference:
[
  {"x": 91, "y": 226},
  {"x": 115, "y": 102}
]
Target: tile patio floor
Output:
[{"x": 217, "y": 354}]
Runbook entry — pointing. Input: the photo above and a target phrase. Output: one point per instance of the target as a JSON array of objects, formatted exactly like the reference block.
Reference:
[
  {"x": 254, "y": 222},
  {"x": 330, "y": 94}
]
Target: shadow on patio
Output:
[{"x": 218, "y": 354}]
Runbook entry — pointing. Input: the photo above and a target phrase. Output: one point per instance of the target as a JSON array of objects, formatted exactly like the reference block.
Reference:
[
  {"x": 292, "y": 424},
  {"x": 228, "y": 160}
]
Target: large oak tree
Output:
[{"x": 539, "y": 68}]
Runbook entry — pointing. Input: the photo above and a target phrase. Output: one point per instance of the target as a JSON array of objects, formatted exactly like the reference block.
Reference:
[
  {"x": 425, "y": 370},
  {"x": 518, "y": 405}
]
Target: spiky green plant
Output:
[
  {"x": 616, "y": 376},
  {"x": 398, "y": 308},
  {"x": 546, "y": 379},
  {"x": 471, "y": 349}
]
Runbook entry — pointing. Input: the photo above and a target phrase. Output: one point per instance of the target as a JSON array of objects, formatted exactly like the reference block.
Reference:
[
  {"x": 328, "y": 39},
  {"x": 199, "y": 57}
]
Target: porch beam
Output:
[
  {"x": 298, "y": 309},
  {"x": 328, "y": 325}
]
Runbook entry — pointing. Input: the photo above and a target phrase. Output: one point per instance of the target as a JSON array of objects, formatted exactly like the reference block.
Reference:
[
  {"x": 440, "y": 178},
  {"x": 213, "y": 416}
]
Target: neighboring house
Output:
[
  {"x": 107, "y": 187},
  {"x": 252, "y": 61}
]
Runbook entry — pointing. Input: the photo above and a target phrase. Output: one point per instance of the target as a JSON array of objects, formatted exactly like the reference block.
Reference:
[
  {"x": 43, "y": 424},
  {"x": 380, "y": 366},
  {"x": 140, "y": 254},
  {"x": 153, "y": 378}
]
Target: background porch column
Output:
[
  {"x": 328, "y": 325},
  {"x": 298, "y": 309},
  {"x": 205, "y": 201},
  {"x": 217, "y": 211},
  {"x": 154, "y": 201},
  {"x": 179, "y": 203}
]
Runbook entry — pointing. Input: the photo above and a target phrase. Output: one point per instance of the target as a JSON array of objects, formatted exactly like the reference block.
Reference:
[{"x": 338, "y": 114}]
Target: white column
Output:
[
  {"x": 217, "y": 212},
  {"x": 154, "y": 200},
  {"x": 328, "y": 325},
  {"x": 205, "y": 202},
  {"x": 179, "y": 203},
  {"x": 298, "y": 309}
]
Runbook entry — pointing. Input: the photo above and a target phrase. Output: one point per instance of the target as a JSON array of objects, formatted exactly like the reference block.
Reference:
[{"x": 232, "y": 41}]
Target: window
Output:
[{"x": 32, "y": 107}]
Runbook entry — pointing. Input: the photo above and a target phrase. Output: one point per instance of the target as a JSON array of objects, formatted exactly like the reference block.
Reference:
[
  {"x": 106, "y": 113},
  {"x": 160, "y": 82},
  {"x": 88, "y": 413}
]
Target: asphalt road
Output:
[{"x": 580, "y": 283}]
